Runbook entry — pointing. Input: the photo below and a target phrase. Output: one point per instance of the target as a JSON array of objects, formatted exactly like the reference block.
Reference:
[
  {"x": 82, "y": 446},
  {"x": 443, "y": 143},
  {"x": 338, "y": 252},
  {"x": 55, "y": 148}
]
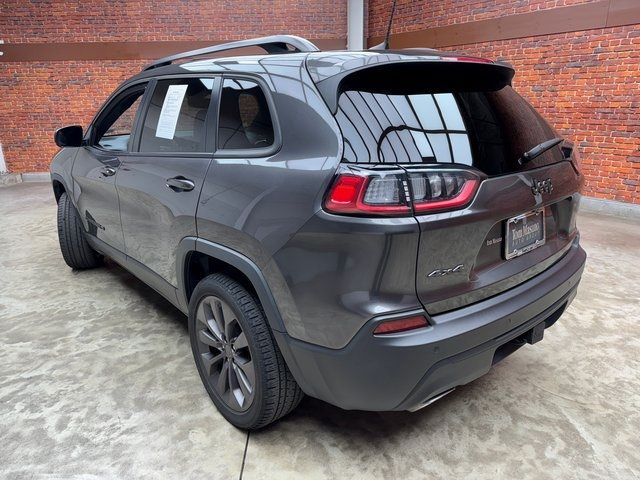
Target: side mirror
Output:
[{"x": 70, "y": 136}]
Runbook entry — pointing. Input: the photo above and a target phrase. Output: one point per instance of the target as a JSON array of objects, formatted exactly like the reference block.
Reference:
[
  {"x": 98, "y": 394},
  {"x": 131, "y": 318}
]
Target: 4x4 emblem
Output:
[
  {"x": 441, "y": 272},
  {"x": 541, "y": 186}
]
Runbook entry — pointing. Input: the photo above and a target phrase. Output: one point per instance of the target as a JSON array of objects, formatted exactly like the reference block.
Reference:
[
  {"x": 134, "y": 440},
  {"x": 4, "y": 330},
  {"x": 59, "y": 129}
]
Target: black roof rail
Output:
[{"x": 272, "y": 45}]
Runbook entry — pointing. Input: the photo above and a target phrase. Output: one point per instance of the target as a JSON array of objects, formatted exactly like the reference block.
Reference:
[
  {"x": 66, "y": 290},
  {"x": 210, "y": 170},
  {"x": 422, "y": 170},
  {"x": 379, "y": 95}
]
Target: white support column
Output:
[
  {"x": 3, "y": 165},
  {"x": 355, "y": 24}
]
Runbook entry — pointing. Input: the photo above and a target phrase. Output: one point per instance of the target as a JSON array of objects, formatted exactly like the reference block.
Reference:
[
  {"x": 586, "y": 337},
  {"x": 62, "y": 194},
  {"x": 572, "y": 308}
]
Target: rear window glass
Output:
[{"x": 487, "y": 130}]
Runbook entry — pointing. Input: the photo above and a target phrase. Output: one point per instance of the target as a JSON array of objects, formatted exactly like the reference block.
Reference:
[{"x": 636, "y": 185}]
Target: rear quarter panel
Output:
[{"x": 255, "y": 205}]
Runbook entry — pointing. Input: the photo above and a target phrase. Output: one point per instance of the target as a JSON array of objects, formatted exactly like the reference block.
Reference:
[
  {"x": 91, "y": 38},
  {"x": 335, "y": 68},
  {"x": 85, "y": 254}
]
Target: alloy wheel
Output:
[{"x": 223, "y": 353}]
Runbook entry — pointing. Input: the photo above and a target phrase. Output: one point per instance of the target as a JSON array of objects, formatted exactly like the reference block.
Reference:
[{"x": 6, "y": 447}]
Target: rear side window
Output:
[
  {"x": 176, "y": 117},
  {"x": 487, "y": 130},
  {"x": 245, "y": 120}
]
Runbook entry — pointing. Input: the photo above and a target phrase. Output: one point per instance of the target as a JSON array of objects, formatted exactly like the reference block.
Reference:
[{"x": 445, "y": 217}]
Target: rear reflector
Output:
[{"x": 401, "y": 325}]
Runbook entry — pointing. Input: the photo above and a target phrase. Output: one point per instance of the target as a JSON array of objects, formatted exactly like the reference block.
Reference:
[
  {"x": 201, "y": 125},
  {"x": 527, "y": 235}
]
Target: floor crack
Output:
[{"x": 244, "y": 455}]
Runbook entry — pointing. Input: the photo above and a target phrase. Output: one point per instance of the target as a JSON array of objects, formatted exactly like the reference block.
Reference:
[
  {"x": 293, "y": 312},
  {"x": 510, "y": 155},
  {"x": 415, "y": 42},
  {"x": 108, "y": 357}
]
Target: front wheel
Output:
[
  {"x": 236, "y": 355},
  {"x": 76, "y": 251}
]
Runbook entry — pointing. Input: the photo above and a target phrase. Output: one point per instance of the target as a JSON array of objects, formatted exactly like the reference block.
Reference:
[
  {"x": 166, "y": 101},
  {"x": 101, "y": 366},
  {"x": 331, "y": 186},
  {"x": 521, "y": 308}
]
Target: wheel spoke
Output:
[
  {"x": 233, "y": 400},
  {"x": 240, "y": 341},
  {"x": 209, "y": 360},
  {"x": 209, "y": 338},
  {"x": 235, "y": 394},
  {"x": 223, "y": 378},
  {"x": 218, "y": 316},
  {"x": 243, "y": 381},
  {"x": 204, "y": 313},
  {"x": 229, "y": 318},
  {"x": 248, "y": 371}
]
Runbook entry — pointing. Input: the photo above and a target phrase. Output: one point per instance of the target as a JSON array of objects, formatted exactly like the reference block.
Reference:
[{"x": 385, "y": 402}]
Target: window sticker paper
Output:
[{"x": 170, "y": 111}]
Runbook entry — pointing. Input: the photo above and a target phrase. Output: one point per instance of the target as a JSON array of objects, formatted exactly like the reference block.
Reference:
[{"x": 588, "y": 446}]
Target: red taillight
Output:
[
  {"x": 374, "y": 195},
  {"x": 389, "y": 194},
  {"x": 345, "y": 192},
  {"x": 401, "y": 325}
]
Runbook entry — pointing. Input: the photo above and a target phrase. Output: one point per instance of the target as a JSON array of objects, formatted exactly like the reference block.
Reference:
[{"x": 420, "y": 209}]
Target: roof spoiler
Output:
[
  {"x": 407, "y": 77},
  {"x": 272, "y": 44}
]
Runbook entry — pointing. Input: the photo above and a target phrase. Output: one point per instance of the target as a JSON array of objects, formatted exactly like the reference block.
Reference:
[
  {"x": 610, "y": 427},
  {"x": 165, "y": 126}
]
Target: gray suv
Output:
[{"x": 370, "y": 228}]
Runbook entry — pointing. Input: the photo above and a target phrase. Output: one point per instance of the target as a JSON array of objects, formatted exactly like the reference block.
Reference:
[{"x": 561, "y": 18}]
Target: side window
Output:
[
  {"x": 175, "y": 119},
  {"x": 113, "y": 129},
  {"x": 245, "y": 120}
]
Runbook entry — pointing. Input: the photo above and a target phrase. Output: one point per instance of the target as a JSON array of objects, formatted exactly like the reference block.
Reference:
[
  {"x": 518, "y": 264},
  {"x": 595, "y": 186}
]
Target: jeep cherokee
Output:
[{"x": 370, "y": 228}]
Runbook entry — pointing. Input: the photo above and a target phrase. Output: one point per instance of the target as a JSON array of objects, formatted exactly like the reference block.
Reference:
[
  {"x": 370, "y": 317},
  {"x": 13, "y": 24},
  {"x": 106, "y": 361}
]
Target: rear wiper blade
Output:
[
  {"x": 395, "y": 128},
  {"x": 538, "y": 150}
]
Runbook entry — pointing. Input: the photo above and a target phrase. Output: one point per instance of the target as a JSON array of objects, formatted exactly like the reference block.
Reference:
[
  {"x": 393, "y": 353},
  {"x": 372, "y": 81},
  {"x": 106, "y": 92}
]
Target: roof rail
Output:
[{"x": 272, "y": 44}]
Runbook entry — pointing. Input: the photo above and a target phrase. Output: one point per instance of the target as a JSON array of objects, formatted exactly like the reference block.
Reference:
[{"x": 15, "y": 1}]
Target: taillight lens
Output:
[
  {"x": 400, "y": 325},
  {"x": 436, "y": 191},
  {"x": 375, "y": 195},
  {"x": 389, "y": 193}
]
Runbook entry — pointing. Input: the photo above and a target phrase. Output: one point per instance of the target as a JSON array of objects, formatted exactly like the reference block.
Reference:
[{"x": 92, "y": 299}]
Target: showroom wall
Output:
[
  {"x": 577, "y": 61},
  {"x": 62, "y": 58}
]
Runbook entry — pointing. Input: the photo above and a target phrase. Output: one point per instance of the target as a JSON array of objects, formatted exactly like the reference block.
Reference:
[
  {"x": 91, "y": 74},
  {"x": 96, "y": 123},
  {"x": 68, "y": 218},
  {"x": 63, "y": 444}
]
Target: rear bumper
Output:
[{"x": 403, "y": 371}]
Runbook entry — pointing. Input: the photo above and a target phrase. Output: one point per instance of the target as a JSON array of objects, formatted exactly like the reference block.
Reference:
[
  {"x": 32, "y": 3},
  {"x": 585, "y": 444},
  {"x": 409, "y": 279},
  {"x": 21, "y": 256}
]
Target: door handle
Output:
[
  {"x": 108, "y": 171},
  {"x": 180, "y": 184}
]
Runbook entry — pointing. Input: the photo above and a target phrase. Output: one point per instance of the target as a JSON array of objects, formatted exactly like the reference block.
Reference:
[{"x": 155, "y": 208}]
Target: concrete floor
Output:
[{"x": 97, "y": 380}]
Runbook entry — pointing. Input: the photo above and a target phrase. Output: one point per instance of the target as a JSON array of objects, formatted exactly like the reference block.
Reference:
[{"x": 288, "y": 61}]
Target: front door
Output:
[
  {"x": 159, "y": 185},
  {"x": 98, "y": 162}
]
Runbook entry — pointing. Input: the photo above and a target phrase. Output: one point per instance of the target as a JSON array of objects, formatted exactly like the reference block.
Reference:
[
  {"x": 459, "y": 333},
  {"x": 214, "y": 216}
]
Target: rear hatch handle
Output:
[{"x": 538, "y": 150}]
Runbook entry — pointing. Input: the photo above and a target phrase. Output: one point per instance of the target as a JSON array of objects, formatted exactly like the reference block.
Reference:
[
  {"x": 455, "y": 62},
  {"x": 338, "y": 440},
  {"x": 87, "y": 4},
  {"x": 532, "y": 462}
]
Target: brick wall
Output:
[
  {"x": 161, "y": 20},
  {"x": 417, "y": 15},
  {"x": 586, "y": 83},
  {"x": 38, "y": 97}
]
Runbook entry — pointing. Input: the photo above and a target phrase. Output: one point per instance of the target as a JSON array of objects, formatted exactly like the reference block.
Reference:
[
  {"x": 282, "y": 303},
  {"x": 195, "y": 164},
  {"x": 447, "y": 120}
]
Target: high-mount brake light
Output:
[
  {"x": 435, "y": 191},
  {"x": 368, "y": 195}
]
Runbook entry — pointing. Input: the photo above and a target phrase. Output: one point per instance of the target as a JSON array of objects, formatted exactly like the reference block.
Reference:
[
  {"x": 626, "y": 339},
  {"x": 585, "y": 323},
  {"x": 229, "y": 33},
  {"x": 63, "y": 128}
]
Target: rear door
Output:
[
  {"x": 521, "y": 218},
  {"x": 159, "y": 185}
]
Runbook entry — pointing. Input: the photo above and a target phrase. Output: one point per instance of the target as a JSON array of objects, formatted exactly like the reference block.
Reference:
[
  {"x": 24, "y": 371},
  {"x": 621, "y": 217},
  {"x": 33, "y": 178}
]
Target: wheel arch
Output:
[
  {"x": 198, "y": 258},
  {"x": 59, "y": 187}
]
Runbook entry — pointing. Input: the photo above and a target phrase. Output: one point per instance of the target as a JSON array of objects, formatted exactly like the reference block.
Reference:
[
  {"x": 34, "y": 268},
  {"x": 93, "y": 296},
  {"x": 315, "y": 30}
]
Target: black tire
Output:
[
  {"x": 74, "y": 247},
  {"x": 275, "y": 393}
]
